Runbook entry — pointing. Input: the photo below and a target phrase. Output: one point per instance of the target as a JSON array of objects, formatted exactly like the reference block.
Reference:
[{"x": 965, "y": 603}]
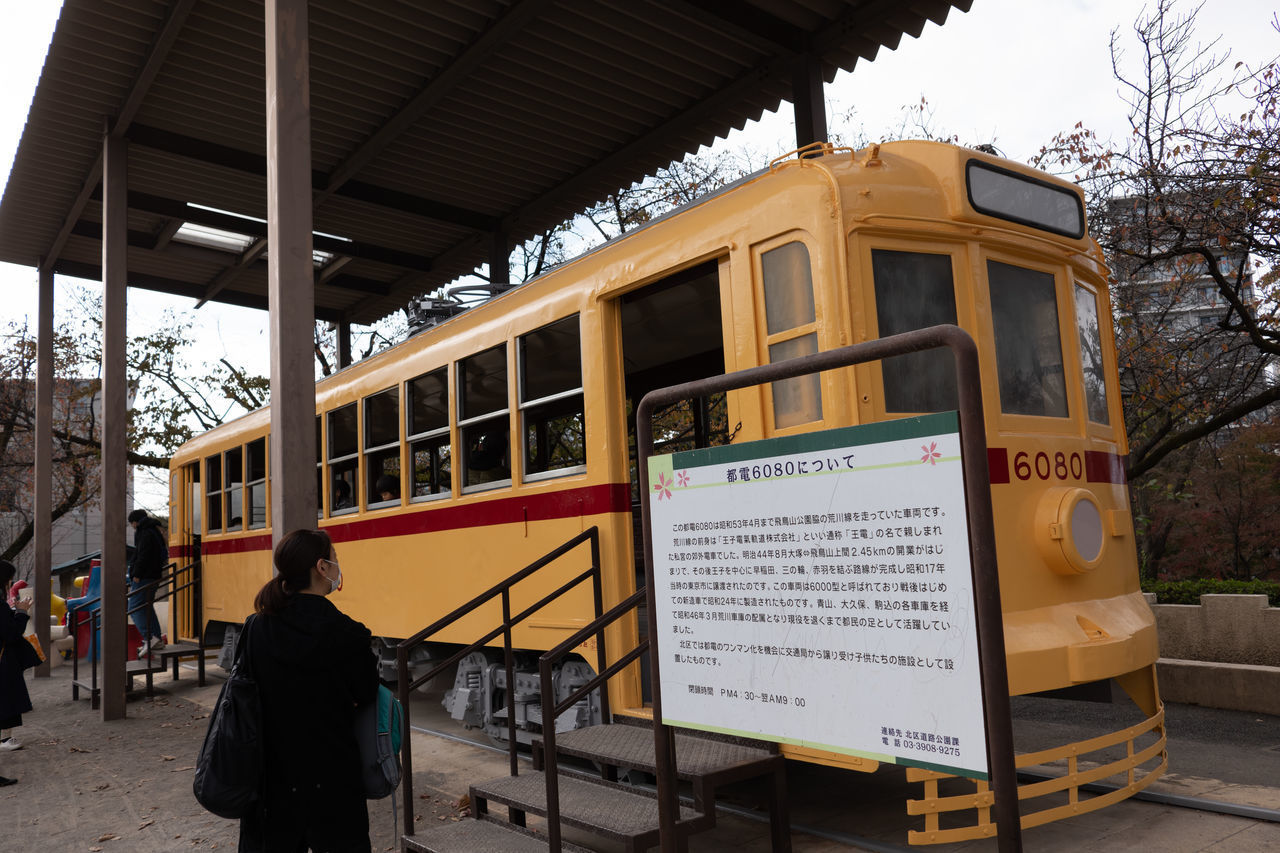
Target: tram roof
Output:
[{"x": 434, "y": 124}]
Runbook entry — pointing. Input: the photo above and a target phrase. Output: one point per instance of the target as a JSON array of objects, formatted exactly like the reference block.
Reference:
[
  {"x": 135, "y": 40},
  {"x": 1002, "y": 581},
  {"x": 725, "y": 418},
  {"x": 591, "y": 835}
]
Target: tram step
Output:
[
  {"x": 631, "y": 747},
  {"x": 481, "y": 836},
  {"x": 608, "y": 810}
]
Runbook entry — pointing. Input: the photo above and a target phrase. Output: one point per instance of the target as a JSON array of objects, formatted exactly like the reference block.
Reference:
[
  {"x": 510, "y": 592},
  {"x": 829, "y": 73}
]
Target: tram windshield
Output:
[
  {"x": 1024, "y": 314},
  {"x": 915, "y": 290}
]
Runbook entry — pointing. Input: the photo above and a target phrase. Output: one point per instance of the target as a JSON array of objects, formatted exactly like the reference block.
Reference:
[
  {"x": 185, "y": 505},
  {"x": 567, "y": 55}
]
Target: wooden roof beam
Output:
[
  {"x": 513, "y": 21},
  {"x": 256, "y": 164},
  {"x": 744, "y": 22},
  {"x": 180, "y": 288},
  {"x": 151, "y": 66},
  {"x": 174, "y": 209},
  {"x": 778, "y": 68},
  {"x": 246, "y": 259}
]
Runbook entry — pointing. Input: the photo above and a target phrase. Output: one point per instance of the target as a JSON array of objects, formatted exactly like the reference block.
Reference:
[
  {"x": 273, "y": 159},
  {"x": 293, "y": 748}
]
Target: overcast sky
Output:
[{"x": 1010, "y": 72}]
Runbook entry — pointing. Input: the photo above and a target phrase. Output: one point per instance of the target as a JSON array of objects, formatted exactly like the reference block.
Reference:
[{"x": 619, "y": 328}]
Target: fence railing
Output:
[{"x": 500, "y": 591}]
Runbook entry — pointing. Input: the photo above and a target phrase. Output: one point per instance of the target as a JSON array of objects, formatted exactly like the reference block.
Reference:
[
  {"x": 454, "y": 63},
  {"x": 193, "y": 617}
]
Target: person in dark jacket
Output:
[
  {"x": 14, "y": 699},
  {"x": 314, "y": 665},
  {"x": 149, "y": 552}
]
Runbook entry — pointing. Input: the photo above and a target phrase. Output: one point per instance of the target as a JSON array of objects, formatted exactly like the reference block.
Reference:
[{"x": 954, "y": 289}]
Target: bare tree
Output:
[{"x": 1186, "y": 209}]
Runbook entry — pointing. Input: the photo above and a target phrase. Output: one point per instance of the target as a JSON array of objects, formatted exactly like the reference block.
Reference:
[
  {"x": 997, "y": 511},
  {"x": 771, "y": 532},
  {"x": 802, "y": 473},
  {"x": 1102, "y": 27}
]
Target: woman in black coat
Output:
[
  {"x": 14, "y": 699},
  {"x": 313, "y": 665}
]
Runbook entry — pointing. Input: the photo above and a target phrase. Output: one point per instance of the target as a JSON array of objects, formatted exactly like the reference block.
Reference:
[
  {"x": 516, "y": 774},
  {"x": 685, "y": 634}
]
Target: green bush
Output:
[{"x": 1189, "y": 591}]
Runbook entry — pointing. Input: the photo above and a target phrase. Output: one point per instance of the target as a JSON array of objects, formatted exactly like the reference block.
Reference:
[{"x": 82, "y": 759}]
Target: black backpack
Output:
[{"x": 228, "y": 779}]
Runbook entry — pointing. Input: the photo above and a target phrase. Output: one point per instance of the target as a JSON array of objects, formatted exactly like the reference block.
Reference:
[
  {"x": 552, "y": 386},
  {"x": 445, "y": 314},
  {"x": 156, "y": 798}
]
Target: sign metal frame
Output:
[{"x": 986, "y": 582}]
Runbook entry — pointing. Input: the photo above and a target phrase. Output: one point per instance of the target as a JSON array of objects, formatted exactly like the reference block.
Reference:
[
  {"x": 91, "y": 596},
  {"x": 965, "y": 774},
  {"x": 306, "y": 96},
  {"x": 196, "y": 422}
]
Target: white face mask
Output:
[{"x": 334, "y": 585}]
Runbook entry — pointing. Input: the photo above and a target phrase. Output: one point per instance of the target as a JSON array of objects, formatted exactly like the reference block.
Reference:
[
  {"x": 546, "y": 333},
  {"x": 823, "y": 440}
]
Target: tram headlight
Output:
[{"x": 1069, "y": 530}]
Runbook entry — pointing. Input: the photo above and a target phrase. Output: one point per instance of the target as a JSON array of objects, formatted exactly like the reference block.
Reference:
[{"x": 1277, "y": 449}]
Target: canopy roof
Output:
[{"x": 435, "y": 125}]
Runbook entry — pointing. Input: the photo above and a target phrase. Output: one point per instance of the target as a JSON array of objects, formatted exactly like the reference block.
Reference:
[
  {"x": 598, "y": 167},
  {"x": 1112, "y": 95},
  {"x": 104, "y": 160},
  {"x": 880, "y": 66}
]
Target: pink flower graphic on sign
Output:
[
  {"x": 683, "y": 479},
  {"x": 663, "y": 486},
  {"x": 931, "y": 454}
]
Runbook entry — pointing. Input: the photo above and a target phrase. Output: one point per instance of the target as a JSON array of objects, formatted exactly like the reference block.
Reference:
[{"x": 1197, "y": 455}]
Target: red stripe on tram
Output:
[
  {"x": 568, "y": 503},
  {"x": 1099, "y": 466},
  {"x": 998, "y": 464},
  {"x": 1102, "y": 467}
]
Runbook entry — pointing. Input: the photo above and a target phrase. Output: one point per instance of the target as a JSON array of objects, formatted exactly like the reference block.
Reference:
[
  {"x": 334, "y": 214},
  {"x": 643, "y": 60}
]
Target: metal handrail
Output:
[
  {"x": 503, "y": 591},
  {"x": 552, "y": 710},
  {"x": 171, "y": 580},
  {"x": 94, "y": 608}
]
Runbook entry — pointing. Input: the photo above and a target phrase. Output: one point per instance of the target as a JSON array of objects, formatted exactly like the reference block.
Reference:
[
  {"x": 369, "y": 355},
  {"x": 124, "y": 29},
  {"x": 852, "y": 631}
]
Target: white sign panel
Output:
[{"x": 816, "y": 590}]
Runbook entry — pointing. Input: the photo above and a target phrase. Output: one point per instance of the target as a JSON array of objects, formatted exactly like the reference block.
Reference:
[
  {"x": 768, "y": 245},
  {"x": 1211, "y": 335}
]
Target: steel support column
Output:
[
  {"x": 809, "y": 100},
  {"x": 290, "y": 270},
  {"x": 344, "y": 343},
  {"x": 114, "y": 496},
  {"x": 43, "y": 486},
  {"x": 499, "y": 262}
]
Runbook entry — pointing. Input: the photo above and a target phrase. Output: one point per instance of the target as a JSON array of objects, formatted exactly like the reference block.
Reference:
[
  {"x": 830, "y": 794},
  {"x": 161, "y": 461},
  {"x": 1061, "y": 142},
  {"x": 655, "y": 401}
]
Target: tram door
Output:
[
  {"x": 672, "y": 333},
  {"x": 185, "y": 517}
]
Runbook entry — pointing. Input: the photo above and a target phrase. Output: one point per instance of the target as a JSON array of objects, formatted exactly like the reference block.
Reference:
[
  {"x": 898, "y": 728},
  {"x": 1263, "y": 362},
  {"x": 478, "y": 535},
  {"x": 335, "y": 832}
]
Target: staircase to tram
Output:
[{"x": 591, "y": 805}]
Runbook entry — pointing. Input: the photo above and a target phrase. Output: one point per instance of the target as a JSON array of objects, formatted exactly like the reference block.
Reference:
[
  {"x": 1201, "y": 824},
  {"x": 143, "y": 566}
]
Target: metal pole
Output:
[
  {"x": 115, "y": 395},
  {"x": 499, "y": 261},
  {"x": 509, "y": 661},
  {"x": 343, "y": 331},
  {"x": 290, "y": 269},
  {"x": 406, "y": 746},
  {"x": 663, "y": 743},
  {"x": 809, "y": 101},
  {"x": 601, "y": 659},
  {"x": 43, "y": 487},
  {"x": 986, "y": 589}
]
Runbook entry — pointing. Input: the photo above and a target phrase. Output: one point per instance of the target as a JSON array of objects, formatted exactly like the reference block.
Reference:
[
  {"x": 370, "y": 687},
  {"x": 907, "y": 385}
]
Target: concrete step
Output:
[
  {"x": 481, "y": 836},
  {"x": 608, "y": 810}
]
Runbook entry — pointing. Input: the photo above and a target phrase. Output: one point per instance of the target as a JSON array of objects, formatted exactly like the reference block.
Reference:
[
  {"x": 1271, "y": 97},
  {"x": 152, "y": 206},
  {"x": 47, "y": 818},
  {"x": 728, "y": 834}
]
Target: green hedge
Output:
[{"x": 1189, "y": 591}]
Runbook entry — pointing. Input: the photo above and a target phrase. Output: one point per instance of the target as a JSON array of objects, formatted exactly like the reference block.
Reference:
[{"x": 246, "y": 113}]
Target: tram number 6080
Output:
[{"x": 1060, "y": 467}]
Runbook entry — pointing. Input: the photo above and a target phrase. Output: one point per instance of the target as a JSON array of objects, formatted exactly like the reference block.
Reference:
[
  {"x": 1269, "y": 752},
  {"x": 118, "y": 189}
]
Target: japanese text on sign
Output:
[{"x": 816, "y": 590}]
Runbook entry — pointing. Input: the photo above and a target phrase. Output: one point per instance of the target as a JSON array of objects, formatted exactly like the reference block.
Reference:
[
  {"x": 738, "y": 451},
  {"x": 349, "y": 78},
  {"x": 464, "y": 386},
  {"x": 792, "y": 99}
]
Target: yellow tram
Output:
[{"x": 452, "y": 460}]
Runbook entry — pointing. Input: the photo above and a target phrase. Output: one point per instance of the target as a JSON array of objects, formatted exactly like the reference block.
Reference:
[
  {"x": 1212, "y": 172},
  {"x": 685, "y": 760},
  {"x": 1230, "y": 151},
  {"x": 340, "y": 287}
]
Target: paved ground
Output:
[
  {"x": 85, "y": 785},
  {"x": 125, "y": 786}
]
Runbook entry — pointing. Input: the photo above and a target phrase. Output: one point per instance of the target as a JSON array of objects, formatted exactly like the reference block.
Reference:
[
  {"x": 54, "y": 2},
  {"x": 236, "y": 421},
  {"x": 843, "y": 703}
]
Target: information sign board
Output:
[{"x": 816, "y": 590}]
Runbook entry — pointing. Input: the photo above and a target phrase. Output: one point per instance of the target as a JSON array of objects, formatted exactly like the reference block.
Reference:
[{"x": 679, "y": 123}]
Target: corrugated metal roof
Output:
[{"x": 434, "y": 122}]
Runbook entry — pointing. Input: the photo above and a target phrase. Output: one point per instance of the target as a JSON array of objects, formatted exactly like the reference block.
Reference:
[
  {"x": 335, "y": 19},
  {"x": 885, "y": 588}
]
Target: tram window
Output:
[
  {"x": 196, "y": 502},
  {"x": 175, "y": 483},
  {"x": 787, "y": 278},
  {"x": 255, "y": 509},
  {"x": 343, "y": 459},
  {"x": 428, "y": 405},
  {"x": 382, "y": 448},
  {"x": 788, "y": 287},
  {"x": 1020, "y": 198},
  {"x": 915, "y": 290},
  {"x": 1024, "y": 314},
  {"x": 235, "y": 489},
  {"x": 551, "y": 407},
  {"x": 213, "y": 491},
  {"x": 799, "y": 400},
  {"x": 484, "y": 417},
  {"x": 1095, "y": 378}
]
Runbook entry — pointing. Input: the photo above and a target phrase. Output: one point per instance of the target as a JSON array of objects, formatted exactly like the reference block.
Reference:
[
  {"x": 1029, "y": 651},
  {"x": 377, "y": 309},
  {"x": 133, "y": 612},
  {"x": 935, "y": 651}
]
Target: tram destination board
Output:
[{"x": 816, "y": 590}]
